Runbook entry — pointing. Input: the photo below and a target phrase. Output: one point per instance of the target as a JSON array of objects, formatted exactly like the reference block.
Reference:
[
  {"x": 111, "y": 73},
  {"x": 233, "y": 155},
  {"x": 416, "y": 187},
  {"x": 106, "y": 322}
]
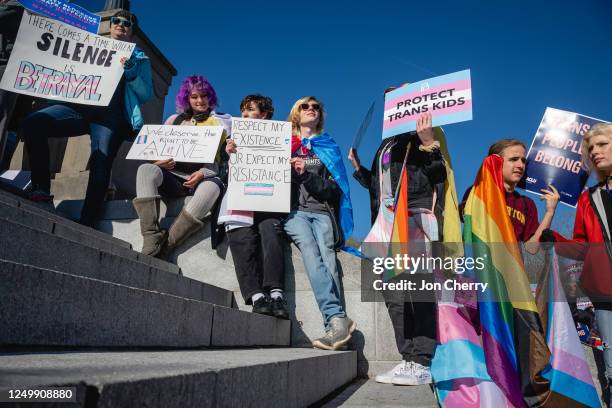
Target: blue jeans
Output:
[
  {"x": 107, "y": 127},
  {"x": 314, "y": 236},
  {"x": 604, "y": 324}
]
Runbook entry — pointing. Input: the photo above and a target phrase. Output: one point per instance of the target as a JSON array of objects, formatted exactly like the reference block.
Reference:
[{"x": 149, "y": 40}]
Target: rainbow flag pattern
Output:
[
  {"x": 513, "y": 340},
  {"x": 571, "y": 383}
]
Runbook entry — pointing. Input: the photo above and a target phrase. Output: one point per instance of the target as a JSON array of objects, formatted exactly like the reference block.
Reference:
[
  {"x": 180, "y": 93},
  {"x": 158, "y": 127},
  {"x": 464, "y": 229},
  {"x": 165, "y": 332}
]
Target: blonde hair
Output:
[
  {"x": 600, "y": 129},
  {"x": 294, "y": 115}
]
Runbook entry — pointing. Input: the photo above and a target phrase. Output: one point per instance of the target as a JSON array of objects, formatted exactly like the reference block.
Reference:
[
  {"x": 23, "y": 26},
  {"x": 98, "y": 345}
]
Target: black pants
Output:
[
  {"x": 414, "y": 326},
  {"x": 259, "y": 257}
]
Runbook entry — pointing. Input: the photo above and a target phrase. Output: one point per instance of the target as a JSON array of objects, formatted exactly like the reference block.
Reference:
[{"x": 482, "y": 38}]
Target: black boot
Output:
[{"x": 262, "y": 306}]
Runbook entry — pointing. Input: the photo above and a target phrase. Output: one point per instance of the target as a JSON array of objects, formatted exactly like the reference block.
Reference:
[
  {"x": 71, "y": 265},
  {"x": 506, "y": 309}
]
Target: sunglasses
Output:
[
  {"x": 314, "y": 106},
  {"x": 120, "y": 21}
]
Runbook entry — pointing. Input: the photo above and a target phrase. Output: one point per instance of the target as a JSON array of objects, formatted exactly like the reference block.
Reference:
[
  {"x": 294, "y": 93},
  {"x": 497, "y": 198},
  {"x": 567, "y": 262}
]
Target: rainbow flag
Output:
[
  {"x": 571, "y": 383},
  {"x": 399, "y": 233},
  {"x": 513, "y": 340}
]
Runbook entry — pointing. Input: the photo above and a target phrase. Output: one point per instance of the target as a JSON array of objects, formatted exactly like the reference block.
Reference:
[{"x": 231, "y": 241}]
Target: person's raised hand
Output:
[
  {"x": 424, "y": 129},
  {"x": 354, "y": 158}
]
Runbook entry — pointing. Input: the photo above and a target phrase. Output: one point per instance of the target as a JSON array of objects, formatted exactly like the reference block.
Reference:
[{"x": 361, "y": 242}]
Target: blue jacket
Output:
[{"x": 138, "y": 87}]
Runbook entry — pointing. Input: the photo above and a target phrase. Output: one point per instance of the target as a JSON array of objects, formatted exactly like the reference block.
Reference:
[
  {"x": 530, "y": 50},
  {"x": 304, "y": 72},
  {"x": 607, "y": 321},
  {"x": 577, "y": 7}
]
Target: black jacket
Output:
[{"x": 426, "y": 171}]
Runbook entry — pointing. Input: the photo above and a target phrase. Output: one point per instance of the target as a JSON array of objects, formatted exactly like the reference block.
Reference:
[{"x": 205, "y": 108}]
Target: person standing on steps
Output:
[
  {"x": 417, "y": 153},
  {"x": 320, "y": 190},
  {"x": 108, "y": 126},
  {"x": 195, "y": 102},
  {"x": 257, "y": 250}
]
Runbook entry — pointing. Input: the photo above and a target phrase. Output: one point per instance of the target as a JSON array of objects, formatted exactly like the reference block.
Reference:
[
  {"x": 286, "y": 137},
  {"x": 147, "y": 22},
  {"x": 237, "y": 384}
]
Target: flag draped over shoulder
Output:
[
  {"x": 330, "y": 155},
  {"x": 512, "y": 334},
  {"x": 571, "y": 383}
]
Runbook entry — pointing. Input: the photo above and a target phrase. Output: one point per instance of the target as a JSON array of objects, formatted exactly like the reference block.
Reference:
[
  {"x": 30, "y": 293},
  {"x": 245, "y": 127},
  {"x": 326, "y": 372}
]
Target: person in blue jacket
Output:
[{"x": 108, "y": 126}]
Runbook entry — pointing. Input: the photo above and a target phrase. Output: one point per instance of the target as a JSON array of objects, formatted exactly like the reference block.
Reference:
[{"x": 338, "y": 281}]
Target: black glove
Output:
[{"x": 547, "y": 239}]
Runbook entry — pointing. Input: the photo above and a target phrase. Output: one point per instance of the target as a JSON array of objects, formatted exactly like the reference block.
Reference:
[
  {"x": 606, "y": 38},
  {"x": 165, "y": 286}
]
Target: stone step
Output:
[
  {"x": 43, "y": 307},
  {"x": 271, "y": 377},
  {"x": 65, "y": 229},
  {"x": 48, "y": 211},
  {"x": 31, "y": 246},
  {"x": 368, "y": 393}
]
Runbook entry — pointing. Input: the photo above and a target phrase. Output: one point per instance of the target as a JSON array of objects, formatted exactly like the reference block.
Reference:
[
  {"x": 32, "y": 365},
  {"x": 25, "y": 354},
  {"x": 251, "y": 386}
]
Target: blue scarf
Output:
[{"x": 329, "y": 152}]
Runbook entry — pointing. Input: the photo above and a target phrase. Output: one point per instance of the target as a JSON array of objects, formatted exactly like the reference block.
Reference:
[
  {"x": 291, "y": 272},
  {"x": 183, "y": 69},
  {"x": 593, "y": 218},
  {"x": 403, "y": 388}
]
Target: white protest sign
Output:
[
  {"x": 54, "y": 60},
  {"x": 191, "y": 144},
  {"x": 259, "y": 172}
]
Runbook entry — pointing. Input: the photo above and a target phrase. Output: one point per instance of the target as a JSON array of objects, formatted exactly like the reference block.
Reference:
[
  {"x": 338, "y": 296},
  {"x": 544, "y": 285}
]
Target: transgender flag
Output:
[{"x": 571, "y": 383}]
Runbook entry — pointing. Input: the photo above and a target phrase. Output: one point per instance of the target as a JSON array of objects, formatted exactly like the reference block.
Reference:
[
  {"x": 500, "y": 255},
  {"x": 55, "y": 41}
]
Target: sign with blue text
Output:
[
  {"x": 555, "y": 155},
  {"x": 54, "y": 60},
  {"x": 190, "y": 144},
  {"x": 65, "y": 12},
  {"x": 448, "y": 98}
]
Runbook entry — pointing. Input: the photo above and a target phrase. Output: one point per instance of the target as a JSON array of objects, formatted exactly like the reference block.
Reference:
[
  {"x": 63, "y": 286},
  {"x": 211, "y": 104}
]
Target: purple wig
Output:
[{"x": 194, "y": 83}]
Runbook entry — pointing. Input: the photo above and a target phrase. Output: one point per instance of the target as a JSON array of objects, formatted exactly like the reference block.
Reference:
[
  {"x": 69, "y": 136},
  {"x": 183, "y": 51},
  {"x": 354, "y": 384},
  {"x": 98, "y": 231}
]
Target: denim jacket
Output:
[{"x": 138, "y": 87}]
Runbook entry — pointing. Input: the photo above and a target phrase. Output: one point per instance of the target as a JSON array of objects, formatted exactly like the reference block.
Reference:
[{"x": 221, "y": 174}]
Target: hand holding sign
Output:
[
  {"x": 194, "y": 179},
  {"x": 299, "y": 165},
  {"x": 354, "y": 158},
  {"x": 552, "y": 198},
  {"x": 424, "y": 129}
]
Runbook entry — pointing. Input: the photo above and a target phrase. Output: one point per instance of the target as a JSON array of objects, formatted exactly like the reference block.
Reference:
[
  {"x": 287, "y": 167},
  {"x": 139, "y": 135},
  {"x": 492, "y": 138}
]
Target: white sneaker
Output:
[
  {"x": 417, "y": 375},
  {"x": 400, "y": 369}
]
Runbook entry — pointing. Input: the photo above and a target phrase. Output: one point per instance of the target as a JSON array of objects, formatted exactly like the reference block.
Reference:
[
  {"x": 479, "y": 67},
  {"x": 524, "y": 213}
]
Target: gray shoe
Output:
[
  {"x": 341, "y": 329},
  {"x": 324, "y": 343}
]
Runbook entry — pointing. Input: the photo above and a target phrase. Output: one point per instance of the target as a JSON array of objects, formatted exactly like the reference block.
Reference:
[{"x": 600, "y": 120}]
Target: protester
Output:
[
  {"x": 317, "y": 176},
  {"x": 521, "y": 209},
  {"x": 108, "y": 126},
  {"x": 593, "y": 225},
  {"x": 257, "y": 249},
  {"x": 195, "y": 102},
  {"x": 414, "y": 323}
]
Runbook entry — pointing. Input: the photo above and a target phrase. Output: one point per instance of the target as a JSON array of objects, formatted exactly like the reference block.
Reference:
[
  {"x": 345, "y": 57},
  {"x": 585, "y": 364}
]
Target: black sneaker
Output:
[
  {"x": 279, "y": 308},
  {"x": 262, "y": 306}
]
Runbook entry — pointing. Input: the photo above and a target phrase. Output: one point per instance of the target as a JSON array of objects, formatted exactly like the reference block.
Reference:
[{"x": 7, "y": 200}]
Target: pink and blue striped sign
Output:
[
  {"x": 263, "y": 189},
  {"x": 448, "y": 98}
]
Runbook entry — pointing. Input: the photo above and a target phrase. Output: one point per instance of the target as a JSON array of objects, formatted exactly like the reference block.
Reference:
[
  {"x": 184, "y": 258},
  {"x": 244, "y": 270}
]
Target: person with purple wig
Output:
[{"x": 195, "y": 104}]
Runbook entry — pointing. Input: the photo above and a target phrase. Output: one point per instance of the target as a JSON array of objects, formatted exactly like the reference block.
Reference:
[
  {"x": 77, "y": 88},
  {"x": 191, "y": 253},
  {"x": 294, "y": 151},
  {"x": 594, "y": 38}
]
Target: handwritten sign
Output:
[
  {"x": 259, "y": 172},
  {"x": 54, "y": 60},
  {"x": 65, "y": 12},
  {"x": 555, "y": 155},
  {"x": 192, "y": 144},
  {"x": 448, "y": 98}
]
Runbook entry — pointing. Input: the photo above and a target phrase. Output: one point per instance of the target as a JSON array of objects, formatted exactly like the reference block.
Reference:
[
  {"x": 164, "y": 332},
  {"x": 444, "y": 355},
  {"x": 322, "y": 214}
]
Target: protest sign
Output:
[
  {"x": 555, "y": 155},
  {"x": 260, "y": 172},
  {"x": 65, "y": 12},
  {"x": 448, "y": 98},
  {"x": 191, "y": 144},
  {"x": 53, "y": 60}
]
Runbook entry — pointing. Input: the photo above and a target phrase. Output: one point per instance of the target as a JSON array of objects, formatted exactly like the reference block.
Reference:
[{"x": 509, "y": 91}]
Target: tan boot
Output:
[
  {"x": 184, "y": 226},
  {"x": 153, "y": 237}
]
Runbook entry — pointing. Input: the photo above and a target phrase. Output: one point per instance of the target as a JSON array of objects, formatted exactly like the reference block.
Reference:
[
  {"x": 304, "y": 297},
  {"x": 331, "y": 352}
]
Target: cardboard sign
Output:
[
  {"x": 65, "y": 12},
  {"x": 191, "y": 144},
  {"x": 54, "y": 60},
  {"x": 555, "y": 155},
  {"x": 448, "y": 98},
  {"x": 260, "y": 172}
]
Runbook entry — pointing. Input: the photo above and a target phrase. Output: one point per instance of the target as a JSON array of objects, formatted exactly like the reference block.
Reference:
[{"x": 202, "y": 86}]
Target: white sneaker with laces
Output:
[
  {"x": 401, "y": 369},
  {"x": 418, "y": 375}
]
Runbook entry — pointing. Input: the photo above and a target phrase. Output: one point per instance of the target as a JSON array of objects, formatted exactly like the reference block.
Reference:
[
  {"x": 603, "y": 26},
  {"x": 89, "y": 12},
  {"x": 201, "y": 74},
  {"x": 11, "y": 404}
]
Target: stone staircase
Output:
[{"x": 81, "y": 308}]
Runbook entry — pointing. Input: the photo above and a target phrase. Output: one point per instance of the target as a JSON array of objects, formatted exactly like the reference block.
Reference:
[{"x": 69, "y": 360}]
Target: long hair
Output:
[
  {"x": 194, "y": 83},
  {"x": 600, "y": 129},
  {"x": 294, "y": 115}
]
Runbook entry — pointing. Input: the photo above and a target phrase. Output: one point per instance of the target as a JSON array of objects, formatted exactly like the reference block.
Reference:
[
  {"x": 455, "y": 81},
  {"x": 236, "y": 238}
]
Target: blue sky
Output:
[{"x": 524, "y": 56}]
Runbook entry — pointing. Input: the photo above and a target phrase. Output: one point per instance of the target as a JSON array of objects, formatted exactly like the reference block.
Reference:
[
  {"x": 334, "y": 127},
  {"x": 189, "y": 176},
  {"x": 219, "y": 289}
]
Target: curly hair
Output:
[
  {"x": 264, "y": 103},
  {"x": 294, "y": 115},
  {"x": 194, "y": 83}
]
